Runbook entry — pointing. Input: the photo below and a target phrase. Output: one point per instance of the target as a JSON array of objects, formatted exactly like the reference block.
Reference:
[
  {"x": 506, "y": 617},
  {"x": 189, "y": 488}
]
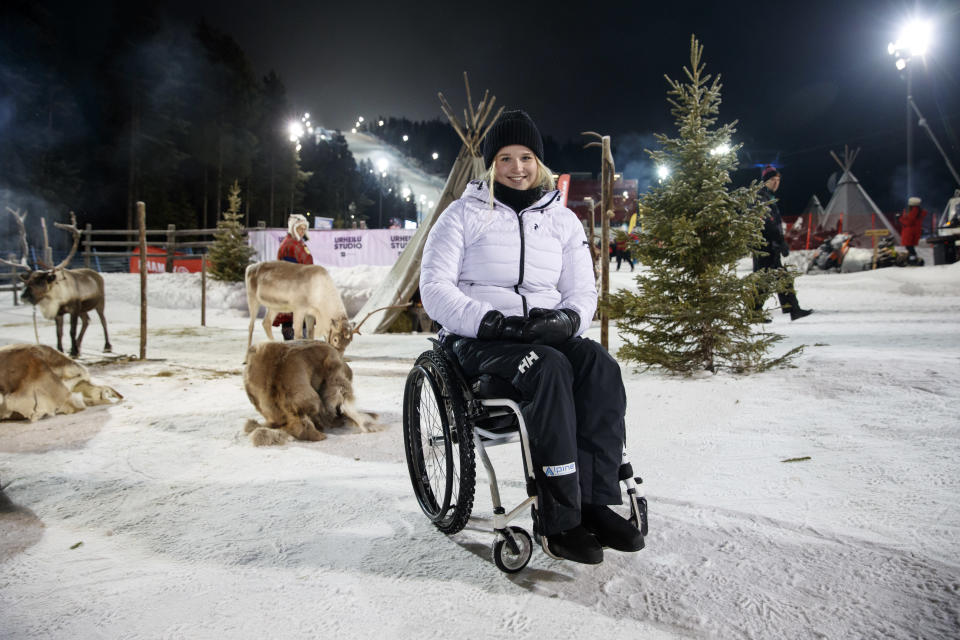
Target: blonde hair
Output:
[{"x": 544, "y": 177}]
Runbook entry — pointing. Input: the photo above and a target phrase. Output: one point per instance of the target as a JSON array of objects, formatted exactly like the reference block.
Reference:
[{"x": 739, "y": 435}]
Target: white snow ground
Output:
[{"x": 156, "y": 518}]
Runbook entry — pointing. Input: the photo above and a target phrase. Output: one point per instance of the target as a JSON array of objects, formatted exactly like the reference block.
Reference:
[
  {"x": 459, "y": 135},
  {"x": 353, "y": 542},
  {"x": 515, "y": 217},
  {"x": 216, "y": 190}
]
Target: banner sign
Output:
[
  {"x": 157, "y": 261},
  {"x": 339, "y": 247}
]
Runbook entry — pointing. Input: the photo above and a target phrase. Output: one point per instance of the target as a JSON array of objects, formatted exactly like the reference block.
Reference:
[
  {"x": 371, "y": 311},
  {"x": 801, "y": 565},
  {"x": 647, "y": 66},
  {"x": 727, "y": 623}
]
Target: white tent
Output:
[
  {"x": 403, "y": 280},
  {"x": 851, "y": 208},
  {"x": 813, "y": 214}
]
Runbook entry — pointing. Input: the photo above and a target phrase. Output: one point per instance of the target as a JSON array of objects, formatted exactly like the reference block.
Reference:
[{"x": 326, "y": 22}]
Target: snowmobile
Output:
[
  {"x": 887, "y": 254},
  {"x": 829, "y": 255}
]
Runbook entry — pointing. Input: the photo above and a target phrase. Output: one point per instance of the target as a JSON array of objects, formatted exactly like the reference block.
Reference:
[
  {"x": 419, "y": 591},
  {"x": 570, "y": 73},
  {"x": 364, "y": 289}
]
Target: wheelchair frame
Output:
[{"x": 472, "y": 421}]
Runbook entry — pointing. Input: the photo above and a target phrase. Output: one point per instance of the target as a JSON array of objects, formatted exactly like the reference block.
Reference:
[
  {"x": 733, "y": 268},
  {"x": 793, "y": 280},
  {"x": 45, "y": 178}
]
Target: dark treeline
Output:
[
  {"x": 437, "y": 136},
  {"x": 100, "y": 108}
]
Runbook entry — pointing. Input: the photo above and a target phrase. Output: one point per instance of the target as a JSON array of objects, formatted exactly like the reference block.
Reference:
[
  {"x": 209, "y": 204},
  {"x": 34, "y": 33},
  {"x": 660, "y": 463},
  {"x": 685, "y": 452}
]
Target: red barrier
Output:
[{"x": 157, "y": 262}]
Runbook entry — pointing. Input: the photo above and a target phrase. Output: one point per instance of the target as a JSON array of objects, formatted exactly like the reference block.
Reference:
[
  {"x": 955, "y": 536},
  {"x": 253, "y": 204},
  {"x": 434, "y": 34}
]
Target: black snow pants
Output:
[
  {"x": 788, "y": 299},
  {"x": 573, "y": 403}
]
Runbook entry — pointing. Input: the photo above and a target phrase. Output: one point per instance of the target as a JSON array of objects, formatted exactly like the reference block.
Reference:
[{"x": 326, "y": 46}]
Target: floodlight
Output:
[
  {"x": 720, "y": 149},
  {"x": 359, "y": 118},
  {"x": 663, "y": 171},
  {"x": 901, "y": 64},
  {"x": 296, "y": 131},
  {"x": 405, "y": 137},
  {"x": 435, "y": 155},
  {"x": 382, "y": 165}
]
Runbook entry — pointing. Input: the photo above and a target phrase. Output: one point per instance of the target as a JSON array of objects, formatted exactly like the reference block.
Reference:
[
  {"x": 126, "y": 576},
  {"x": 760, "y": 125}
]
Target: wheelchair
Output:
[{"x": 447, "y": 421}]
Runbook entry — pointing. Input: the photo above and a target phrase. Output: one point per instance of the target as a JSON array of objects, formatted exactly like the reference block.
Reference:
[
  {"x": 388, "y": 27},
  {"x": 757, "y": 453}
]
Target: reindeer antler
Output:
[
  {"x": 22, "y": 230},
  {"x": 356, "y": 329},
  {"x": 72, "y": 228}
]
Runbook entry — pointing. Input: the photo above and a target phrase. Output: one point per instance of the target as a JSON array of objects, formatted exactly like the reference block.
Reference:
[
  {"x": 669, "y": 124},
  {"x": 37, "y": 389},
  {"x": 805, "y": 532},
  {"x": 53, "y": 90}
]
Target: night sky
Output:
[{"x": 801, "y": 78}]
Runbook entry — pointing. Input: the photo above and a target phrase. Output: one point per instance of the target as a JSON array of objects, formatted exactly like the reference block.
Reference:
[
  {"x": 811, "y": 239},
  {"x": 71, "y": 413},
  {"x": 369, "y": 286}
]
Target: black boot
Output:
[
  {"x": 287, "y": 332},
  {"x": 610, "y": 529},
  {"x": 576, "y": 544},
  {"x": 797, "y": 313}
]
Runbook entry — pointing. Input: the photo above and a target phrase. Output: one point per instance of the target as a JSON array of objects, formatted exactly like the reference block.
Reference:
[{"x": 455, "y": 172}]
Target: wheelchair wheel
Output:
[
  {"x": 438, "y": 443},
  {"x": 511, "y": 558}
]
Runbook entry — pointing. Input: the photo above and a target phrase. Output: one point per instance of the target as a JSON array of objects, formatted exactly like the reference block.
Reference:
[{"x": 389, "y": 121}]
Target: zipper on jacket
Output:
[{"x": 523, "y": 245}]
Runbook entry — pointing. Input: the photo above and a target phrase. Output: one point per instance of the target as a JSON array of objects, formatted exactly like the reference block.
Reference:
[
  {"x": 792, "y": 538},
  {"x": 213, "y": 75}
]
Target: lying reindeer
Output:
[
  {"x": 301, "y": 387},
  {"x": 59, "y": 291},
  {"x": 36, "y": 381}
]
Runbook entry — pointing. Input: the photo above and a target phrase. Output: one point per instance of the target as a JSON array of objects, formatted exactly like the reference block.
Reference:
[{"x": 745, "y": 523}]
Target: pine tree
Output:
[
  {"x": 230, "y": 254},
  {"x": 693, "y": 312}
]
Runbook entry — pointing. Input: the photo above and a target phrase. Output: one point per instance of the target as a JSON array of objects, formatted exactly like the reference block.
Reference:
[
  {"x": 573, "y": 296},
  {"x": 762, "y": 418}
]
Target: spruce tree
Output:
[
  {"x": 229, "y": 255},
  {"x": 692, "y": 312}
]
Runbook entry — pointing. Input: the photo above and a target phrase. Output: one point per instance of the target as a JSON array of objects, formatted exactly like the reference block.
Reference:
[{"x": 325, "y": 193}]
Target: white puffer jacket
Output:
[{"x": 477, "y": 259}]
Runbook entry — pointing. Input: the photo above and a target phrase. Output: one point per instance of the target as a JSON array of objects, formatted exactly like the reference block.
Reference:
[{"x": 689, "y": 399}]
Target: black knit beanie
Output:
[{"x": 512, "y": 127}]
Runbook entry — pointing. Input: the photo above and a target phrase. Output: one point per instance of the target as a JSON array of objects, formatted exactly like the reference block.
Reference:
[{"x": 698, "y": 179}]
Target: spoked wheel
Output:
[
  {"x": 438, "y": 443},
  {"x": 511, "y": 555}
]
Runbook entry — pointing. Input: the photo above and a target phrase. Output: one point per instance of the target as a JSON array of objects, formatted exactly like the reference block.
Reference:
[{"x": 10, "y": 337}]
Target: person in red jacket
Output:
[
  {"x": 911, "y": 226},
  {"x": 293, "y": 249}
]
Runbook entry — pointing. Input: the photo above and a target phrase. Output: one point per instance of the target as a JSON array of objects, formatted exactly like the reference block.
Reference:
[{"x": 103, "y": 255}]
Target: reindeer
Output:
[
  {"x": 57, "y": 291},
  {"x": 306, "y": 290},
  {"x": 36, "y": 381},
  {"x": 302, "y": 388}
]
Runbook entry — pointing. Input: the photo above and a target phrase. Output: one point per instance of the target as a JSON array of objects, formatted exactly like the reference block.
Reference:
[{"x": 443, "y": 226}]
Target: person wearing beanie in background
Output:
[
  {"x": 293, "y": 249},
  {"x": 775, "y": 245},
  {"x": 911, "y": 227},
  {"x": 507, "y": 274}
]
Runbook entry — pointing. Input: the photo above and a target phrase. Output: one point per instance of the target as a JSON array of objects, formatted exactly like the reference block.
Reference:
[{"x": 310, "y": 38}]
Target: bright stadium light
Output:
[
  {"x": 720, "y": 150},
  {"x": 296, "y": 131},
  {"x": 912, "y": 42},
  {"x": 662, "y": 172}
]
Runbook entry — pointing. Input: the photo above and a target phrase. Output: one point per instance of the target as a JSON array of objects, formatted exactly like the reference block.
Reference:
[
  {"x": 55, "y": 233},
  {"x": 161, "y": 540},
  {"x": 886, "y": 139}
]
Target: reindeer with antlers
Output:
[{"x": 57, "y": 291}]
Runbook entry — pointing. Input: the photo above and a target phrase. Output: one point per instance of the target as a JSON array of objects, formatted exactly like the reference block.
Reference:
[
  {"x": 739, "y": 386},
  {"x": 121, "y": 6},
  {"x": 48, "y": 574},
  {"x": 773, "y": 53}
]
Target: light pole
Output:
[{"x": 912, "y": 42}]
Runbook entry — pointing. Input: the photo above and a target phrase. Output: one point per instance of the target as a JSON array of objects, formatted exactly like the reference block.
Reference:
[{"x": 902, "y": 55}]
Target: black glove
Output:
[
  {"x": 784, "y": 250},
  {"x": 550, "y": 326},
  {"x": 494, "y": 326}
]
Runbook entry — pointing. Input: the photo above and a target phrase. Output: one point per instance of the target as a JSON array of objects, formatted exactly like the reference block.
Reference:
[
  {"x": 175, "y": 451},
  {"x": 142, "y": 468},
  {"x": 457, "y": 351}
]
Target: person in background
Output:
[
  {"x": 775, "y": 245},
  {"x": 911, "y": 227},
  {"x": 507, "y": 274},
  {"x": 623, "y": 249},
  {"x": 293, "y": 249}
]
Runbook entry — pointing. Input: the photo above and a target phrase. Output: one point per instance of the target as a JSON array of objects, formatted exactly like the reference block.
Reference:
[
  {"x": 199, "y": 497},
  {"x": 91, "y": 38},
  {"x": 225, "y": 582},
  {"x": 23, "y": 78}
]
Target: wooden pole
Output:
[
  {"x": 203, "y": 290},
  {"x": 142, "y": 221},
  {"x": 47, "y": 251},
  {"x": 87, "y": 245},
  {"x": 606, "y": 207},
  {"x": 171, "y": 247}
]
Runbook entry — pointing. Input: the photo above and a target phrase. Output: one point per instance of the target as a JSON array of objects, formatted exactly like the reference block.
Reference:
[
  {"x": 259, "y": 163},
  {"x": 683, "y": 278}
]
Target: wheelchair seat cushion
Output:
[{"x": 490, "y": 386}]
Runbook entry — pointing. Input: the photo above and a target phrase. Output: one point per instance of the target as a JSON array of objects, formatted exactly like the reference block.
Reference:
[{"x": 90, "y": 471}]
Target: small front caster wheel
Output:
[{"x": 512, "y": 550}]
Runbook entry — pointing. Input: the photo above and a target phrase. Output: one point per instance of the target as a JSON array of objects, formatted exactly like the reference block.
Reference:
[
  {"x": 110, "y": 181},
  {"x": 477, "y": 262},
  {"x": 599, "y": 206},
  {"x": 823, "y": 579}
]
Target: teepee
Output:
[
  {"x": 403, "y": 280},
  {"x": 813, "y": 214},
  {"x": 851, "y": 208}
]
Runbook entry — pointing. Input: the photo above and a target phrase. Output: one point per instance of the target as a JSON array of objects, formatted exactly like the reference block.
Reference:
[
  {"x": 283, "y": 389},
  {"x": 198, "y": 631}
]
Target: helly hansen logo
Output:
[
  {"x": 560, "y": 470},
  {"x": 528, "y": 360}
]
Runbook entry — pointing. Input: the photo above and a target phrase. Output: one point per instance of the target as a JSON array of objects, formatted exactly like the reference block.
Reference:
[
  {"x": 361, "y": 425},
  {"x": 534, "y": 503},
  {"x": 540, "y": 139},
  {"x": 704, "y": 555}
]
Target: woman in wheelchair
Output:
[{"x": 507, "y": 274}]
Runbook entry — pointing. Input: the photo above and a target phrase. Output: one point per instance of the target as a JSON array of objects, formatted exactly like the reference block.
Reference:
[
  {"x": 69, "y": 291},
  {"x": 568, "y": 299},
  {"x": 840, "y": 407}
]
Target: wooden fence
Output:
[
  {"x": 10, "y": 281},
  {"x": 124, "y": 243}
]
